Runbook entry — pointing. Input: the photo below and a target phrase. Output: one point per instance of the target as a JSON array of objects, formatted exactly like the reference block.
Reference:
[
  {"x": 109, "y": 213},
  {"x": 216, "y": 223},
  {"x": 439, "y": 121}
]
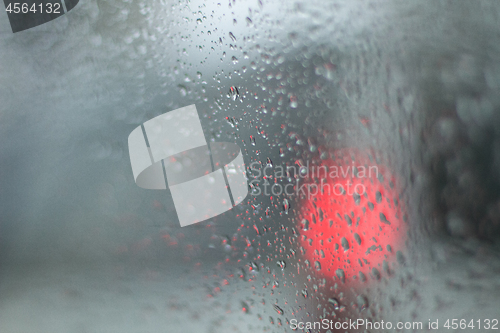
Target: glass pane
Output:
[{"x": 249, "y": 166}]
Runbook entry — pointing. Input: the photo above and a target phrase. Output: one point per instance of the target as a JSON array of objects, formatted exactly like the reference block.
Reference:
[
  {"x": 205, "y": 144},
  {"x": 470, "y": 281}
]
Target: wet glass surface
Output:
[{"x": 370, "y": 132}]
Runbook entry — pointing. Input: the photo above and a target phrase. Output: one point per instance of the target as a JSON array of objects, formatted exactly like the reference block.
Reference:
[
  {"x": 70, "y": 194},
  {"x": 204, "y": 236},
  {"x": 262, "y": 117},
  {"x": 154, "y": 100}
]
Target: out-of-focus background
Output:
[{"x": 413, "y": 85}]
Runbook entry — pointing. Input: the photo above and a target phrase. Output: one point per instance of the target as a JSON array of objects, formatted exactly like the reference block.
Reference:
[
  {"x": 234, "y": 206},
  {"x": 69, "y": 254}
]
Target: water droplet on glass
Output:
[
  {"x": 252, "y": 140},
  {"x": 233, "y": 93},
  {"x": 362, "y": 301},
  {"x": 286, "y": 206},
  {"x": 241, "y": 274},
  {"x": 245, "y": 308},
  {"x": 344, "y": 243},
  {"x": 232, "y": 121},
  {"x": 278, "y": 309},
  {"x": 340, "y": 274},
  {"x": 357, "y": 238},
  {"x": 183, "y": 90},
  {"x": 281, "y": 264},
  {"x": 357, "y": 198},
  {"x": 383, "y": 219},
  {"x": 305, "y": 224},
  {"x": 293, "y": 102},
  {"x": 334, "y": 303},
  {"x": 254, "y": 267}
]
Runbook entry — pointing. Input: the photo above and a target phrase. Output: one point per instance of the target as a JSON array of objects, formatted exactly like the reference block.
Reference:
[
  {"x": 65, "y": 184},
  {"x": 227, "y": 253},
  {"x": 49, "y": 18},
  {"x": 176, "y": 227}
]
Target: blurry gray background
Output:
[{"x": 83, "y": 249}]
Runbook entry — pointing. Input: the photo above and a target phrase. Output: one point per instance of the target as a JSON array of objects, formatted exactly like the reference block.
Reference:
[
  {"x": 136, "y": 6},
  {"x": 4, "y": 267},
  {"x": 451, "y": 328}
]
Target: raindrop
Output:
[
  {"x": 357, "y": 199},
  {"x": 357, "y": 238},
  {"x": 269, "y": 163},
  {"x": 183, "y": 90},
  {"x": 233, "y": 38},
  {"x": 277, "y": 309},
  {"x": 242, "y": 274},
  {"x": 233, "y": 122},
  {"x": 234, "y": 60},
  {"x": 252, "y": 140},
  {"x": 293, "y": 102},
  {"x": 362, "y": 301},
  {"x": 256, "y": 229},
  {"x": 281, "y": 264},
  {"x": 286, "y": 206},
  {"x": 383, "y": 219},
  {"x": 344, "y": 243},
  {"x": 312, "y": 145},
  {"x": 317, "y": 265},
  {"x": 348, "y": 220},
  {"x": 305, "y": 224},
  {"x": 340, "y": 274},
  {"x": 254, "y": 267},
  {"x": 234, "y": 93},
  {"x": 225, "y": 241},
  {"x": 334, "y": 302},
  {"x": 245, "y": 308},
  {"x": 254, "y": 188}
]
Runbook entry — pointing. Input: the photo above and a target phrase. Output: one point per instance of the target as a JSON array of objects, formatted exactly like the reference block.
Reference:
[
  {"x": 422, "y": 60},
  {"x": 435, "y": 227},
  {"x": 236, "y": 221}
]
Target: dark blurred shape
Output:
[{"x": 32, "y": 13}]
